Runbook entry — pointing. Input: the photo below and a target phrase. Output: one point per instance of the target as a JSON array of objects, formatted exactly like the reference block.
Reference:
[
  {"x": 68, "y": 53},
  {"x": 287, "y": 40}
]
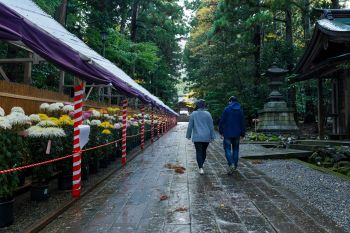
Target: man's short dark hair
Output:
[{"x": 232, "y": 99}]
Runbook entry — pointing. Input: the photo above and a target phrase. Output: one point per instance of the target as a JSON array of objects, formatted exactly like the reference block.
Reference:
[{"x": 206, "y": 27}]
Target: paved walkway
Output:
[{"x": 248, "y": 201}]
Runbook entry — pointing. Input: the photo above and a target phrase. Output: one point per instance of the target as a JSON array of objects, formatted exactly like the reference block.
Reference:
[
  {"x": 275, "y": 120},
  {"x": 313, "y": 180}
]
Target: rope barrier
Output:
[{"x": 62, "y": 158}]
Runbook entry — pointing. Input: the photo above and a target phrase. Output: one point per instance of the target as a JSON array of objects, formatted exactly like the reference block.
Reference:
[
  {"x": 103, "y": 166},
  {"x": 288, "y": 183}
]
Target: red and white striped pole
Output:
[
  {"x": 125, "y": 112},
  {"x": 78, "y": 120},
  {"x": 152, "y": 125},
  {"x": 142, "y": 127}
]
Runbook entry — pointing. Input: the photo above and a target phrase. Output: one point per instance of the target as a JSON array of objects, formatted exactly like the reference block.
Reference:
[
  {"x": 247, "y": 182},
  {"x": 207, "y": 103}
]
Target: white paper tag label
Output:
[{"x": 48, "y": 148}]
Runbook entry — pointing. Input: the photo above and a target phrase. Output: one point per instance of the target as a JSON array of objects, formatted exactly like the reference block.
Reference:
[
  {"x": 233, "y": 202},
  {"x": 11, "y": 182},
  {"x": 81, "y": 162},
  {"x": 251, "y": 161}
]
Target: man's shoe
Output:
[
  {"x": 201, "y": 171},
  {"x": 230, "y": 170}
]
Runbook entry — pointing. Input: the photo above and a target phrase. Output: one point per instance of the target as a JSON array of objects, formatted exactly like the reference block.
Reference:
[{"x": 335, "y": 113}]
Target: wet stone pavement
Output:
[{"x": 248, "y": 201}]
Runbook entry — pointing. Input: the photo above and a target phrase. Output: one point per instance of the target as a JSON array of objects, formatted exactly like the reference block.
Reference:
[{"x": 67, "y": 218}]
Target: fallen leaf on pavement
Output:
[
  {"x": 181, "y": 209},
  {"x": 163, "y": 197}
]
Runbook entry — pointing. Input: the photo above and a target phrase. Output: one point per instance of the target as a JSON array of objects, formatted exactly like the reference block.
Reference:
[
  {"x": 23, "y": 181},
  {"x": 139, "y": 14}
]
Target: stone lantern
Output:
[{"x": 276, "y": 117}]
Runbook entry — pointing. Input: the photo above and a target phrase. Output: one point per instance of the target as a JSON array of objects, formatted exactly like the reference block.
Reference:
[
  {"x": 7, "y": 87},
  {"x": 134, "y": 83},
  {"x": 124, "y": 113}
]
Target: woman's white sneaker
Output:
[{"x": 201, "y": 171}]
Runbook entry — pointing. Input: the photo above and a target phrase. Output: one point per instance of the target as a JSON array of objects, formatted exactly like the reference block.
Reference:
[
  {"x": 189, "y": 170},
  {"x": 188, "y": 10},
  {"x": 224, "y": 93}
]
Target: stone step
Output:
[
  {"x": 323, "y": 142},
  {"x": 304, "y": 147}
]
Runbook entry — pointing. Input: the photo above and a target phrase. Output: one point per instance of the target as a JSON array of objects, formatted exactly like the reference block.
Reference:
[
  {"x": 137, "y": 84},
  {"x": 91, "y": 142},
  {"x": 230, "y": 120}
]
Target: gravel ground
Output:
[{"x": 328, "y": 193}]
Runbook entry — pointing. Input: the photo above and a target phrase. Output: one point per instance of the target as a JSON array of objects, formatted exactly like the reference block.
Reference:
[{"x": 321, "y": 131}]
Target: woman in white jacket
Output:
[{"x": 201, "y": 130}]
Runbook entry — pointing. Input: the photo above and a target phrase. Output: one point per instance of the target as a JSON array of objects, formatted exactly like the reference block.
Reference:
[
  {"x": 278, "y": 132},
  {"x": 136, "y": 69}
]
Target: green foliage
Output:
[
  {"x": 38, "y": 146},
  {"x": 13, "y": 150}
]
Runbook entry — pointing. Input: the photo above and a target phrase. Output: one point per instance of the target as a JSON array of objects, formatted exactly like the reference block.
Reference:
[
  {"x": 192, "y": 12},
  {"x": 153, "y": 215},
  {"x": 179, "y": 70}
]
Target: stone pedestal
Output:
[{"x": 277, "y": 118}]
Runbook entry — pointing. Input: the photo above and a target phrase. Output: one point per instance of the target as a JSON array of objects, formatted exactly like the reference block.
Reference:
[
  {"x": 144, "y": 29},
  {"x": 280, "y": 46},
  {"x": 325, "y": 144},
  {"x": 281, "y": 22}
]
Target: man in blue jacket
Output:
[{"x": 232, "y": 130}]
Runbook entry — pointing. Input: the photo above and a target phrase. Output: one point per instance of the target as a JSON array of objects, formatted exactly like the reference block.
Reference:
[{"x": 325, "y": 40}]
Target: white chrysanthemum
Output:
[
  {"x": 17, "y": 109},
  {"x": 120, "y": 118},
  {"x": 96, "y": 114},
  {"x": 139, "y": 115},
  {"x": 155, "y": 121},
  {"x": 48, "y": 132},
  {"x": 34, "y": 118},
  {"x": 95, "y": 122},
  {"x": 2, "y": 112},
  {"x": 147, "y": 116},
  {"x": 68, "y": 108},
  {"x": 46, "y": 123},
  {"x": 117, "y": 125},
  {"x": 17, "y": 118},
  {"x": 134, "y": 123},
  {"x": 148, "y": 122},
  {"x": 55, "y": 107},
  {"x": 44, "y": 106},
  {"x": 132, "y": 119},
  {"x": 5, "y": 123}
]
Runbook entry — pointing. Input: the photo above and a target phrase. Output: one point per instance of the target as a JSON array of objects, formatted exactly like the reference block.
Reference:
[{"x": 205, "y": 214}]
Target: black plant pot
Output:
[
  {"x": 104, "y": 163},
  {"x": 65, "y": 182},
  {"x": 93, "y": 167},
  {"x": 112, "y": 157},
  {"x": 39, "y": 192},
  {"x": 22, "y": 178},
  {"x": 85, "y": 173},
  {"x": 6, "y": 212}
]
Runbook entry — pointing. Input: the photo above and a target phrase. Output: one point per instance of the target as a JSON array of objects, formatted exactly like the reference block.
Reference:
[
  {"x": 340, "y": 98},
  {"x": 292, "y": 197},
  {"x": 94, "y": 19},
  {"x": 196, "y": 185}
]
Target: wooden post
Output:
[
  {"x": 320, "y": 109},
  {"x": 28, "y": 71},
  {"x": 61, "y": 82}
]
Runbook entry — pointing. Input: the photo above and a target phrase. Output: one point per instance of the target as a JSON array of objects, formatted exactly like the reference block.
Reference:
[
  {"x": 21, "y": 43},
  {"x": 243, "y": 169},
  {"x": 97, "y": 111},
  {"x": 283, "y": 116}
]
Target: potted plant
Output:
[
  {"x": 12, "y": 150},
  {"x": 91, "y": 156},
  {"x": 45, "y": 144},
  {"x": 65, "y": 166}
]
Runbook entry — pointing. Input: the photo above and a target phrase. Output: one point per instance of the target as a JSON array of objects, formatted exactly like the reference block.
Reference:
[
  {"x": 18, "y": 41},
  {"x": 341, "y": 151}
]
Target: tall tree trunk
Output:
[
  {"x": 133, "y": 20},
  {"x": 306, "y": 20},
  {"x": 257, "y": 44},
  {"x": 62, "y": 12},
  {"x": 290, "y": 55}
]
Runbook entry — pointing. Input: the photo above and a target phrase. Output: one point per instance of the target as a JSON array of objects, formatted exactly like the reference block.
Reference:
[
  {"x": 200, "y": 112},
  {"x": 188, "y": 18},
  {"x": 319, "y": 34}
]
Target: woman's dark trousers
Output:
[{"x": 201, "y": 152}]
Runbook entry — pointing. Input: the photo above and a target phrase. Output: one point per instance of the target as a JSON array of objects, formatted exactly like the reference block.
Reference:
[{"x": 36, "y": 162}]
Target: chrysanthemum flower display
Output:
[
  {"x": 2, "y": 112},
  {"x": 34, "y": 118},
  {"x": 47, "y": 123},
  {"x": 45, "y": 132},
  {"x": 68, "y": 108},
  {"x": 118, "y": 125},
  {"x": 44, "y": 107},
  {"x": 106, "y": 125},
  {"x": 106, "y": 131},
  {"x": 43, "y": 116},
  {"x": 5, "y": 123},
  {"x": 95, "y": 122},
  {"x": 18, "y": 120},
  {"x": 95, "y": 114},
  {"x": 65, "y": 120},
  {"x": 17, "y": 110},
  {"x": 112, "y": 111}
]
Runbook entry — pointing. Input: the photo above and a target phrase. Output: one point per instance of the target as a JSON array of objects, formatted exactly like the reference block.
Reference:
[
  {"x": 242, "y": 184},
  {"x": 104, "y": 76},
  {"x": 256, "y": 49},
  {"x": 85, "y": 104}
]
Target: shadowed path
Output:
[{"x": 248, "y": 201}]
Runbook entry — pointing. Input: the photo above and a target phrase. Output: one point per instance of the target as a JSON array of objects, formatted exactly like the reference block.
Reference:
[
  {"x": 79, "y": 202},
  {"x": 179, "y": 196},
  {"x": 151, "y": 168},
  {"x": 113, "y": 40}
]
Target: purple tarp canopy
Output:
[{"x": 23, "y": 20}]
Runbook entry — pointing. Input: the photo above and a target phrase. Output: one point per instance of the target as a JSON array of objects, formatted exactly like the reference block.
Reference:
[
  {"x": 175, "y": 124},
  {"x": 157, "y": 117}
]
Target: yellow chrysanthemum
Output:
[
  {"x": 103, "y": 111},
  {"x": 106, "y": 125},
  {"x": 65, "y": 120},
  {"x": 106, "y": 131},
  {"x": 43, "y": 116},
  {"x": 90, "y": 109},
  {"x": 54, "y": 120},
  {"x": 112, "y": 110}
]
